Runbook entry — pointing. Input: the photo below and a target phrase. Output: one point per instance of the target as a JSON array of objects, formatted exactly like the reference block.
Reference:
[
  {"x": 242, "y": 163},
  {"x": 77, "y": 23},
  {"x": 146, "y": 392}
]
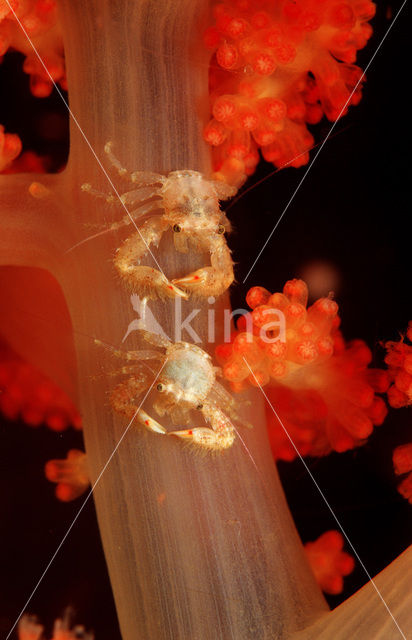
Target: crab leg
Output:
[
  {"x": 148, "y": 281},
  {"x": 123, "y": 371},
  {"x": 143, "y": 354},
  {"x": 155, "y": 339},
  {"x": 130, "y": 218},
  {"x": 220, "y": 396},
  {"x": 125, "y": 395},
  {"x": 213, "y": 280},
  {"x": 124, "y": 400},
  {"x": 130, "y": 197},
  {"x": 220, "y": 436},
  {"x": 139, "y": 177}
]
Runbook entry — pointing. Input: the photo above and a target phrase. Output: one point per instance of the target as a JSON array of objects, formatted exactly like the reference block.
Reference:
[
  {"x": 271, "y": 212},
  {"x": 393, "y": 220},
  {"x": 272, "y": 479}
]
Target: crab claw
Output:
[
  {"x": 171, "y": 287},
  {"x": 205, "y": 438},
  {"x": 197, "y": 277},
  {"x": 213, "y": 280},
  {"x": 149, "y": 422},
  {"x": 150, "y": 282}
]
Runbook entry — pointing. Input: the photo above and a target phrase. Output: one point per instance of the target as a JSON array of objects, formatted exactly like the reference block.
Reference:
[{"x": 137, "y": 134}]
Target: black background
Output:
[{"x": 353, "y": 212}]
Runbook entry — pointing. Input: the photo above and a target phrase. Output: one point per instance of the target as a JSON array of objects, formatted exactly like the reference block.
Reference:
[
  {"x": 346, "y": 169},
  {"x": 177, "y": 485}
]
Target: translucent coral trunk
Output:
[{"x": 198, "y": 547}]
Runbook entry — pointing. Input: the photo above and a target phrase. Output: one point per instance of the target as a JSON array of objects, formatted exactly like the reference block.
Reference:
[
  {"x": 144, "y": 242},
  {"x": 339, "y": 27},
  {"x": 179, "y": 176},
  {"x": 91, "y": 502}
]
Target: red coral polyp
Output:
[
  {"x": 39, "y": 20},
  {"x": 27, "y": 394},
  {"x": 10, "y": 147},
  {"x": 70, "y": 475},
  {"x": 287, "y": 64},
  {"x": 329, "y": 562},
  {"x": 322, "y": 395},
  {"x": 402, "y": 463},
  {"x": 399, "y": 361},
  {"x": 29, "y": 628}
]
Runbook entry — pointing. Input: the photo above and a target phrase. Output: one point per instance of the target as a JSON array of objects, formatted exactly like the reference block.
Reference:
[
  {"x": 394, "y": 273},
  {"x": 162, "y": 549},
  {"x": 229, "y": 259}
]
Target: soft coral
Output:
[
  {"x": 276, "y": 68},
  {"x": 321, "y": 389}
]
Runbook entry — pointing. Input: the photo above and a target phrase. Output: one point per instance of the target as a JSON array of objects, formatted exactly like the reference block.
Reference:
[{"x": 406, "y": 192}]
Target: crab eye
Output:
[
  {"x": 177, "y": 228},
  {"x": 160, "y": 387},
  {"x": 221, "y": 229},
  {"x": 199, "y": 407}
]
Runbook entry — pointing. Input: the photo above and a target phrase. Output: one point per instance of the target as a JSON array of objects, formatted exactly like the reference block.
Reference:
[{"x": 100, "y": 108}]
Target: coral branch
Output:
[
  {"x": 142, "y": 83},
  {"x": 31, "y": 228},
  {"x": 34, "y": 319},
  {"x": 368, "y": 614}
]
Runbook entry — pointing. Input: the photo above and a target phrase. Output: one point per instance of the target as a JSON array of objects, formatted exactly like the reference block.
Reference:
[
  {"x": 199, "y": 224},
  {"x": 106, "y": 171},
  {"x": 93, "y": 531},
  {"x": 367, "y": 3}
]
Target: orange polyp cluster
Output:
[
  {"x": 399, "y": 361},
  {"x": 402, "y": 463},
  {"x": 321, "y": 389},
  {"x": 71, "y": 475},
  {"x": 10, "y": 147},
  {"x": 331, "y": 405},
  {"x": 402, "y": 459},
  {"x": 27, "y": 394},
  {"x": 29, "y": 628},
  {"x": 284, "y": 335},
  {"x": 27, "y": 162},
  {"x": 329, "y": 562},
  {"x": 39, "y": 20},
  {"x": 277, "y": 67}
]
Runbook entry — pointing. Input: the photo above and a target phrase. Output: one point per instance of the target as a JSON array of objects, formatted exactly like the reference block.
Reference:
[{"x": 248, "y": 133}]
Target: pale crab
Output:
[
  {"x": 186, "y": 382},
  {"x": 185, "y": 202}
]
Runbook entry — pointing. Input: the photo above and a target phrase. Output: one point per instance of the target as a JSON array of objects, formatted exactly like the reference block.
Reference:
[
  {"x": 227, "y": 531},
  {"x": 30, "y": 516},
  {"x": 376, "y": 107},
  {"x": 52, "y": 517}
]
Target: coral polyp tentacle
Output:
[
  {"x": 70, "y": 475},
  {"x": 28, "y": 628},
  {"x": 10, "y": 147},
  {"x": 399, "y": 361},
  {"x": 402, "y": 463},
  {"x": 329, "y": 562}
]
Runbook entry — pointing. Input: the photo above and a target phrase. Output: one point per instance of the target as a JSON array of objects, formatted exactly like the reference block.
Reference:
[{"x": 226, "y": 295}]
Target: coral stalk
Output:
[
  {"x": 219, "y": 556},
  {"x": 364, "y": 615}
]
